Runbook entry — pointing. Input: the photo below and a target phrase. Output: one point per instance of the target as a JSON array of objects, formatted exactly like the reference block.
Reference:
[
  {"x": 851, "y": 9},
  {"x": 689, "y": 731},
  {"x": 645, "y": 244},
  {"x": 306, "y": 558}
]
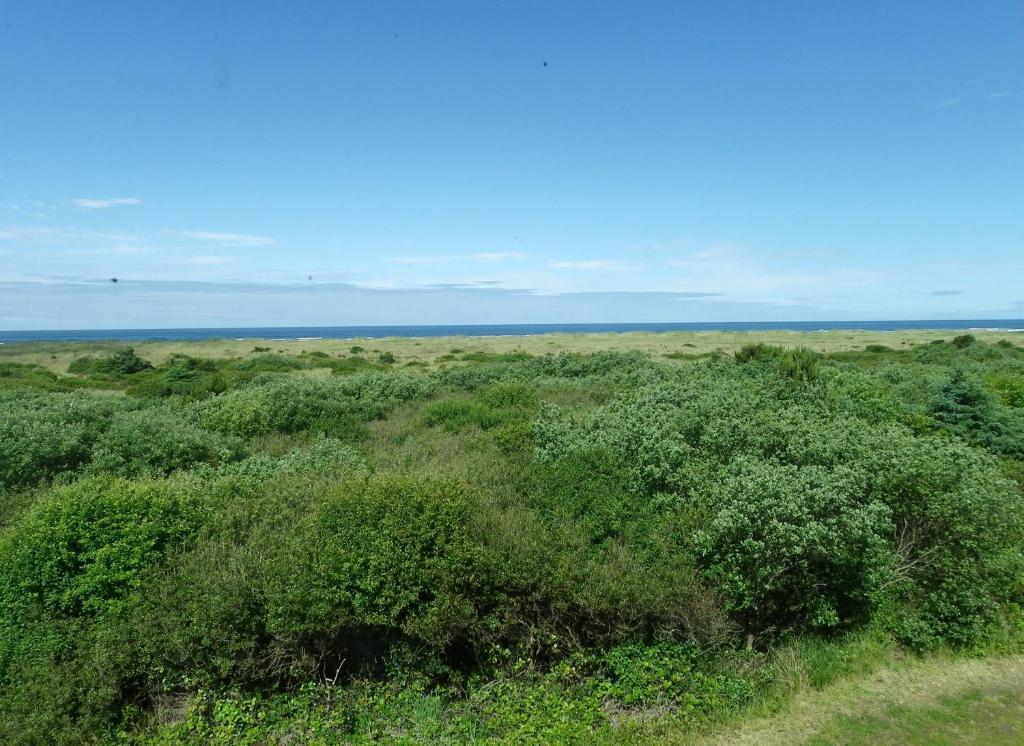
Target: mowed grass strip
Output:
[{"x": 921, "y": 702}]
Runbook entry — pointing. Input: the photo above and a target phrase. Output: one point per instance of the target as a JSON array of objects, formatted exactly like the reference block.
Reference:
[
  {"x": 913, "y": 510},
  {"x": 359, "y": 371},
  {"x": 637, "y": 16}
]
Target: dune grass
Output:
[{"x": 56, "y": 356}]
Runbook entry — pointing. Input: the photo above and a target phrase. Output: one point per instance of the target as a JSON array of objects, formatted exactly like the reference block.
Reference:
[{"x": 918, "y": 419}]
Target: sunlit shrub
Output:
[
  {"x": 335, "y": 406},
  {"x": 796, "y": 548},
  {"x": 389, "y": 554},
  {"x": 121, "y": 363},
  {"x": 46, "y": 436},
  {"x": 155, "y": 443}
]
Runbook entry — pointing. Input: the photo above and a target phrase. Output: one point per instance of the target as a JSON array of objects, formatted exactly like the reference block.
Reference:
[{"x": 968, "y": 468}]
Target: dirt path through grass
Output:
[{"x": 929, "y": 702}]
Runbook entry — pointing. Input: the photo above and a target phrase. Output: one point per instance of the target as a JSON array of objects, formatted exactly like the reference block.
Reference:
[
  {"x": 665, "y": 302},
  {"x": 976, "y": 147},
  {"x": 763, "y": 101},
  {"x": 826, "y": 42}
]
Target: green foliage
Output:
[
  {"x": 799, "y": 364},
  {"x": 85, "y": 548},
  {"x": 796, "y": 548},
  {"x": 122, "y": 363},
  {"x": 387, "y": 358},
  {"x": 483, "y": 564},
  {"x": 456, "y": 414},
  {"x": 70, "y": 572},
  {"x": 962, "y": 406},
  {"x": 152, "y": 443},
  {"x": 831, "y": 489},
  {"x": 1008, "y": 387},
  {"x": 180, "y": 375},
  {"x": 392, "y": 555},
  {"x": 271, "y": 363},
  {"x": 335, "y": 407},
  {"x": 44, "y": 436},
  {"x": 22, "y": 375},
  {"x": 963, "y": 340}
]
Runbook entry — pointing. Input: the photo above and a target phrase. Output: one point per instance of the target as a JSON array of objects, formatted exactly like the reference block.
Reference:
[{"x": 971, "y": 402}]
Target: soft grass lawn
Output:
[{"x": 920, "y": 702}]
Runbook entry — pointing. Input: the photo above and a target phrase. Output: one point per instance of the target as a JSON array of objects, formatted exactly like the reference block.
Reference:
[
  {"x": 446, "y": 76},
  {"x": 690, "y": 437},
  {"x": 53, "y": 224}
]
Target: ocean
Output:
[{"x": 348, "y": 332}]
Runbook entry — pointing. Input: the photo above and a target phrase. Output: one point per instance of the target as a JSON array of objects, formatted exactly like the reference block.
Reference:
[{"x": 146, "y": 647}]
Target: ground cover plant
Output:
[{"x": 494, "y": 544}]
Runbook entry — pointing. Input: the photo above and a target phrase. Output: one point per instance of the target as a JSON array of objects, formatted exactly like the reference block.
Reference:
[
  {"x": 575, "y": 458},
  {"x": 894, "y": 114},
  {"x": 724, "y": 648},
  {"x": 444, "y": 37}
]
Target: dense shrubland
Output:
[{"x": 507, "y": 547}]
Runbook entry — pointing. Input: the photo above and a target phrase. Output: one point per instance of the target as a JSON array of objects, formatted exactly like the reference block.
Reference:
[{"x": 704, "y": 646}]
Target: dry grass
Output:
[{"x": 57, "y": 355}]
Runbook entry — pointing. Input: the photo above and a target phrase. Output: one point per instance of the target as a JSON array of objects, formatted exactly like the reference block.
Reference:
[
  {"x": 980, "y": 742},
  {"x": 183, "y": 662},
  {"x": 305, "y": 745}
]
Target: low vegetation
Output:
[{"x": 496, "y": 546}]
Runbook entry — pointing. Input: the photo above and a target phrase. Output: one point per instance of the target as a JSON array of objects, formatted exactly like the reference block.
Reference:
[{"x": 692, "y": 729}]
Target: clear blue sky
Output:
[{"x": 357, "y": 163}]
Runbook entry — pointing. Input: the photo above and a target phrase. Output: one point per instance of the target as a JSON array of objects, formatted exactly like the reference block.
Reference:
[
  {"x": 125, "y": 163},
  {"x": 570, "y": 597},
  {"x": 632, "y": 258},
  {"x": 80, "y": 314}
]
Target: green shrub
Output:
[
  {"x": 457, "y": 414},
  {"x": 962, "y": 406},
  {"x": 71, "y": 571},
  {"x": 963, "y": 341},
  {"x": 24, "y": 375},
  {"x": 48, "y": 436},
  {"x": 1008, "y": 388},
  {"x": 122, "y": 363},
  {"x": 180, "y": 375},
  {"x": 325, "y": 458},
  {"x": 391, "y": 555},
  {"x": 796, "y": 548},
  {"x": 335, "y": 407},
  {"x": 80, "y": 552},
  {"x": 152, "y": 443},
  {"x": 509, "y": 395},
  {"x": 798, "y": 364},
  {"x": 271, "y": 363}
]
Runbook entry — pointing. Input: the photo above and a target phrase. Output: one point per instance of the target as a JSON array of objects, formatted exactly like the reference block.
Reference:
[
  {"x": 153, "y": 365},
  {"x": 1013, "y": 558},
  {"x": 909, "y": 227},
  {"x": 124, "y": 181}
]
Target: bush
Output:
[
  {"x": 962, "y": 406},
  {"x": 334, "y": 407},
  {"x": 181, "y": 375},
  {"x": 392, "y": 556},
  {"x": 45, "y": 437},
  {"x": 592, "y": 565},
  {"x": 270, "y": 363},
  {"x": 963, "y": 341},
  {"x": 122, "y": 363},
  {"x": 455, "y": 414},
  {"x": 70, "y": 573},
  {"x": 324, "y": 458},
  {"x": 151, "y": 443},
  {"x": 82, "y": 551},
  {"x": 798, "y": 364},
  {"x": 795, "y": 548}
]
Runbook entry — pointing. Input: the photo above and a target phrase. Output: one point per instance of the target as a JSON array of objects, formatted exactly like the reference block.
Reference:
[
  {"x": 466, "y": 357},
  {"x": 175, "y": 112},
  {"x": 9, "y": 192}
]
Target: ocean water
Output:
[{"x": 349, "y": 332}]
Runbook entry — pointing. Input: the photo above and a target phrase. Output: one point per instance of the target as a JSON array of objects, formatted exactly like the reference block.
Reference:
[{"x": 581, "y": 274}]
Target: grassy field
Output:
[
  {"x": 57, "y": 355},
  {"x": 920, "y": 702}
]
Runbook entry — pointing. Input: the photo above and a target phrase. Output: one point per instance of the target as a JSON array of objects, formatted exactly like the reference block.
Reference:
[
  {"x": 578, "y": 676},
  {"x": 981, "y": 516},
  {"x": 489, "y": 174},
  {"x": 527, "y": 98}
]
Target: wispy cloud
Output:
[
  {"x": 125, "y": 250},
  {"x": 951, "y": 102},
  {"x": 493, "y": 256},
  {"x": 45, "y": 234},
  {"x": 1002, "y": 94},
  {"x": 31, "y": 208},
  {"x": 418, "y": 259},
  {"x": 496, "y": 256},
  {"x": 729, "y": 268},
  {"x": 102, "y": 204},
  {"x": 207, "y": 261},
  {"x": 228, "y": 239},
  {"x": 946, "y": 292},
  {"x": 593, "y": 265}
]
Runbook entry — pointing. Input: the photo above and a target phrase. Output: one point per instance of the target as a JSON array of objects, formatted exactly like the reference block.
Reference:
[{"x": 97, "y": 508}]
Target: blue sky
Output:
[{"x": 356, "y": 163}]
